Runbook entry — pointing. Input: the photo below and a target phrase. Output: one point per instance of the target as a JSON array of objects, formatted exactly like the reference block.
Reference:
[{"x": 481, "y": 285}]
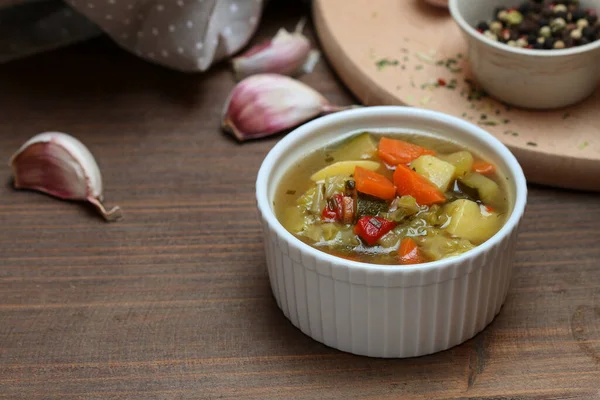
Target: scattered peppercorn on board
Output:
[{"x": 406, "y": 52}]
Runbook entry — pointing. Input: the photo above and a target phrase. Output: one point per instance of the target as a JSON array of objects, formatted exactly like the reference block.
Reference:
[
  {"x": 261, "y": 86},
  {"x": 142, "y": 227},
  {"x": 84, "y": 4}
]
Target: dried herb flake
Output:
[
  {"x": 385, "y": 62},
  {"x": 488, "y": 123}
]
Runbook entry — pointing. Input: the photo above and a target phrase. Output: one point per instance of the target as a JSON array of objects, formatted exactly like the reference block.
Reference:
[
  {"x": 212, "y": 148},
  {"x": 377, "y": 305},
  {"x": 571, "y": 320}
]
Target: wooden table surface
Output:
[{"x": 174, "y": 301}]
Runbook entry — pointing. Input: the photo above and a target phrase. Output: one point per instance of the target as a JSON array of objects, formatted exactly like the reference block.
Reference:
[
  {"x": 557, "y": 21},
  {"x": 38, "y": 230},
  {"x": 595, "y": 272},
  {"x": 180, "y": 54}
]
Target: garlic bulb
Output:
[
  {"x": 265, "y": 104},
  {"x": 286, "y": 53},
  {"x": 60, "y": 165}
]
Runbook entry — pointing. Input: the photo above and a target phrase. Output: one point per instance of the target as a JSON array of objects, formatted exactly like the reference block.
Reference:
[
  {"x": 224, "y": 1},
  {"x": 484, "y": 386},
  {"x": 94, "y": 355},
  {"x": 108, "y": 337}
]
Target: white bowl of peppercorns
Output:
[{"x": 537, "y": 54}]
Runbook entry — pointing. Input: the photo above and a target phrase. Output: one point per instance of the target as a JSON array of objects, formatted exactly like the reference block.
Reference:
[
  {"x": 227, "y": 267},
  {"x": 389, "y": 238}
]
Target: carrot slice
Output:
[
  {"x": 409, "y": 252},
  {"x": 395, "y": 152},
  {"x": 374, "y": 184},
  {"x": 483, "y": 167},
  {"x": 409, "y": 183}
]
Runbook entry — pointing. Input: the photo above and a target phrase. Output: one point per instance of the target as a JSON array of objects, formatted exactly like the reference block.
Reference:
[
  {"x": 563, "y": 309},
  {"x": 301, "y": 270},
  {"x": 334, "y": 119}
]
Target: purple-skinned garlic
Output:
[
  {"x": 286, "y": 53},
  {"x": 265, "y": 104},
  {"x": 60, "y": 165}
]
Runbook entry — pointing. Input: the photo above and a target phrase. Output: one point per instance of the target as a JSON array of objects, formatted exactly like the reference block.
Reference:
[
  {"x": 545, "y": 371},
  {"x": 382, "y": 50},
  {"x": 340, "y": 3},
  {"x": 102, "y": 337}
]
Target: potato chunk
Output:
[
  {"x": 438, "y": 246},
  {"x": 439, "y": 172},
  {"x": 362, "y": 147},
  {"x": 488, "y": 190},
  {"x": 343, "y": 168},
  {"x": 462, "y": 161},
  {"x": 467, "y": 220}
]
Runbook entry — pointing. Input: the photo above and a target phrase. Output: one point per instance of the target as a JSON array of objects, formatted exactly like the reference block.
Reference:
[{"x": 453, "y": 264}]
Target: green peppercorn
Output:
[
  {"x": 522, "y": 42},
  {"x": 558, "y": 24},
  {"x": 559, "y": 44},
  {"x": 576, "y": 34},
  {"x": 545, "y": 31},
  {"x": 490, "y": 35},
  {"x": 559, "y": 8},
  {"x": 512, "y": 43},
  {"x": 514, "y": 17},
  {"x": 496, "y": 27},
  {"x": 502, "y": 15},
  {"x": 582, "y": 23}
]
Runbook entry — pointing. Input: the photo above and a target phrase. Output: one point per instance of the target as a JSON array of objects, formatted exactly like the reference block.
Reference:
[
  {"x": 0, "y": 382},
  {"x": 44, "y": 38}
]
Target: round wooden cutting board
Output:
[{"x": 407, "y": 52}]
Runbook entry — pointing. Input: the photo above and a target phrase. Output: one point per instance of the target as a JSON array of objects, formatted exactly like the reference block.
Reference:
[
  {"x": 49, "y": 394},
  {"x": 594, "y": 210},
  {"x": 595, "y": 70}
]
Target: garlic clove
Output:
[
  {"x": 265, "y": 104},
  {"x": 61, "y": 166},
  {"x": 286, "y": 53}
]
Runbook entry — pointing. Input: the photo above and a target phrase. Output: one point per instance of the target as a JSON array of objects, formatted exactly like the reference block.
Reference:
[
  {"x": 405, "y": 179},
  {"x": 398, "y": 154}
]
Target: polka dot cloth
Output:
[{"x": 186, "y": 35}]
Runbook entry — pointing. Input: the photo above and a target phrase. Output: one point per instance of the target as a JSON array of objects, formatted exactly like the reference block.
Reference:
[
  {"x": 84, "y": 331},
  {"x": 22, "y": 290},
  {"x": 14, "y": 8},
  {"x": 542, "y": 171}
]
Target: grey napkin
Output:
[{"x": 186, "y": 35}]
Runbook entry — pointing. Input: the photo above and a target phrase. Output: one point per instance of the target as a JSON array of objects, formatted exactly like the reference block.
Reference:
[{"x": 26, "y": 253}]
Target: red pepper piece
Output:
[
  {"x": 371, "y": 229},
  {"x": 330, "y": 214}
]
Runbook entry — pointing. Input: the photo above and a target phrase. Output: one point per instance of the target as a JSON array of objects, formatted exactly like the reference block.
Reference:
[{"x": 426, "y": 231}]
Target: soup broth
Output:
[{"x": 393, "y": 199}]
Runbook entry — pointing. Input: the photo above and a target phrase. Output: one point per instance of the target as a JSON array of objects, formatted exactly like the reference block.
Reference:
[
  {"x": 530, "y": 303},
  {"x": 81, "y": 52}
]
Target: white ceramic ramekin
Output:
[
  {"x": 536, "y": 79},
  {"x": 377, "y": 310}
]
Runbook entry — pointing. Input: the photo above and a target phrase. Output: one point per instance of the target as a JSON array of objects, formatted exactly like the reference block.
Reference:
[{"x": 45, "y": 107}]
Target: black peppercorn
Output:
[
  {"x": 583, "y": 41},
  {"x": 549, "y": 43},
  {"x": 592, "y": 18},
  {"x": 543, "y": 22},
  {"x": 579, "y": 14},
  {"x": 532, "y": 39},
  {"x": 547, "y": 13},
  {"x": 569, "y": 42},
  {"x": 484, "y": 26},
  {"x": 527, "y": 27},
  {"x": 525, "y": 8},
  {"x": 538, "y": 46},
  {"x": 588, "y": 32}
]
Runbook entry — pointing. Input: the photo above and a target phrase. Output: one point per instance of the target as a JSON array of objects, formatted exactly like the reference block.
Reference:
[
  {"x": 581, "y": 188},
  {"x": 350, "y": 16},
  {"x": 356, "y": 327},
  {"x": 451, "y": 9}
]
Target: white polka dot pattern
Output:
[{"x": 187, "y": 35}]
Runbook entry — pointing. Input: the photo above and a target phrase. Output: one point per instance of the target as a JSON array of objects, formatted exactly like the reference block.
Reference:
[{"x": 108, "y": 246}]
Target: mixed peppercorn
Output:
[{"x": 543, "y": 25}]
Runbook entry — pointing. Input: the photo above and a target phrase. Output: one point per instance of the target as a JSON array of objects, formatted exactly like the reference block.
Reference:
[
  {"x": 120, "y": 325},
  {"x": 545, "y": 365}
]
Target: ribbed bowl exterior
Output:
[
  {"x": 388, "y": 314},
  {"x": 388, "y": 311}
]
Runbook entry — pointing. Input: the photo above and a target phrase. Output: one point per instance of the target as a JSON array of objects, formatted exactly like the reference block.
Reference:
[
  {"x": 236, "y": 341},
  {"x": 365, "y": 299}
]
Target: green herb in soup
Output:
[{"x": 401, "y": 199}]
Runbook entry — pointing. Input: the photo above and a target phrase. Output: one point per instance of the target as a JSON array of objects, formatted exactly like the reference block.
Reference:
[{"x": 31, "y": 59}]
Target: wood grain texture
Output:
[{"x": 174, "y": 302}]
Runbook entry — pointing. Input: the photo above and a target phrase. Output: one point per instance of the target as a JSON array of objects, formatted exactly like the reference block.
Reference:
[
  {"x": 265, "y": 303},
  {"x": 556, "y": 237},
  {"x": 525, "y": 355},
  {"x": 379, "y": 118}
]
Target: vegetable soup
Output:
[{"x": 392, "y": 199}]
